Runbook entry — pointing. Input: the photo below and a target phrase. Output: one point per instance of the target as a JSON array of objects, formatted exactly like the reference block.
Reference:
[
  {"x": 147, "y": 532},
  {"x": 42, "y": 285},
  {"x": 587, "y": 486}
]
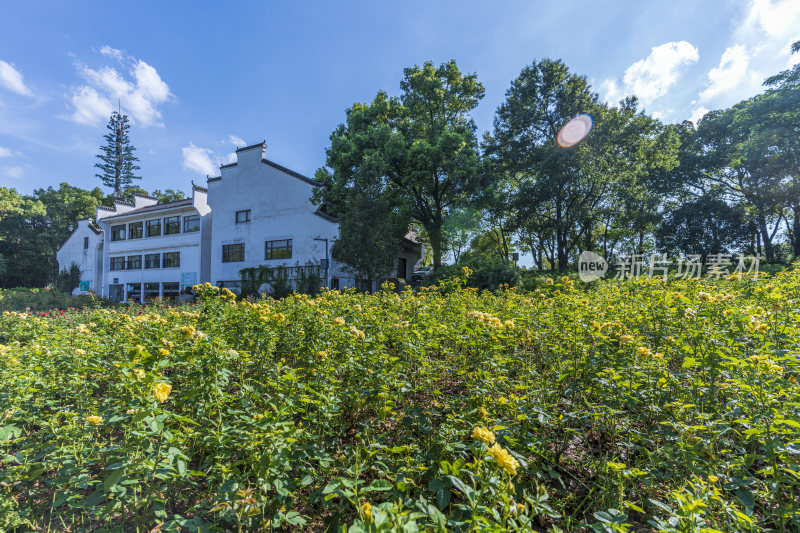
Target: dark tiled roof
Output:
[
  {"x": 326, "y": 216},
  {"x": 262, "y": 144},
  {"x": 199, "y": 188},
  {"x": 156, "y": 207},
  {"x": 122, "y": 202},
  {"x": 209, "y": 180},
  {"x": 91, "y": 224},
  {"x": 145, "y": 196},
  {"x": 229, "y": 165},
  {"x": 106, "y": 208},
  {"x": 291, "y": 172}
]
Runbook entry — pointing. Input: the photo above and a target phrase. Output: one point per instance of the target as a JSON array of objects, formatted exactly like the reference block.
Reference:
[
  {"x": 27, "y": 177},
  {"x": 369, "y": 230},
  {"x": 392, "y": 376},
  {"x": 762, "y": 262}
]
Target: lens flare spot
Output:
[{"x": 574, "y": 130}]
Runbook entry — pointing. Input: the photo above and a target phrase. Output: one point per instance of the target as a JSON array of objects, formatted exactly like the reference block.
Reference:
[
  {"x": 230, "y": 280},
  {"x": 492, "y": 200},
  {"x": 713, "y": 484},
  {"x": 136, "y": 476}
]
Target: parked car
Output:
[{"x": 420, "y": 273}]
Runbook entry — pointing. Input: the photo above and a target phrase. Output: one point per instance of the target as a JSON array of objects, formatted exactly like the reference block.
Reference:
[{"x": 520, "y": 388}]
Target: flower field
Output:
[{"x": 614, "y": 406}]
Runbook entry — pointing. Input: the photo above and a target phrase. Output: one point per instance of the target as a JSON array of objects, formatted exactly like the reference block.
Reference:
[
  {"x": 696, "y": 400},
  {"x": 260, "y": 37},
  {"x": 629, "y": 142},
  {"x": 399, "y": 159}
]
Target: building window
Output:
[
  {"x": 191, "y": 224},
  {"x": 117, "y": 263},
  {"x": 85, "y": 243},
  {"x": 154, "y": 227},
  {"x": 171, "y": 260},
  {"x": 152, "y": 261},
  {"x": 243, "y": 216},
  {"x": 134, "y": 262},
  {"x": 135, "y": 230},
  {"x": 170, "y": 290},
  {"x": 118, "y": 233},
  {"x": 232, "y": 253},
  {"x": 172, "y": 225},
  {"x": 151, "y": 291},
  {"x": 281, "y": 249}
]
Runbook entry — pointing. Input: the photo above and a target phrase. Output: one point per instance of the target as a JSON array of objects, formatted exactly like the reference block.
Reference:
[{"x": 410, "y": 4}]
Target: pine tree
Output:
[{"x": 118, "y": 163}]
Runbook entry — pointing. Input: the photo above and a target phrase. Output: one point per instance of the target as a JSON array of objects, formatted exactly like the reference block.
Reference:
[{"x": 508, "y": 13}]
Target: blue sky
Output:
[{"x": 198, "y": 78}]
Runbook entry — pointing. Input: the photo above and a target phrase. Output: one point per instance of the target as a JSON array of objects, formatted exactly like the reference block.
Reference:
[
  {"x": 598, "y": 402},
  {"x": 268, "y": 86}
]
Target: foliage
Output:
[
  {"x": 44, "y": 300},
  {"x": 304, "y": 279},
  {"x": 612, "y": 406},
  {"x": 419, "y": 150},
  {"x": 33, "y": 227},
  {"x": 370, "y": 233},
  {"x": 117, "y": 160},
  {"x": 69, "y": 279}
]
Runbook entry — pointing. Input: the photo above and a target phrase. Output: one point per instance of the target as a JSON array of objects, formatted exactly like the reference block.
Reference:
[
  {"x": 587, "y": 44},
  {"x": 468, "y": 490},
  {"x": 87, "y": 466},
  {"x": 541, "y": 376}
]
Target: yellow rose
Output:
[
  {"x": 504, "y": 459},
  {"x": 483, "y": 434},
  {"x": 94, "y": 420},
  {"x": 367, "y": 509},
  {"x": 161, "y": 391}
]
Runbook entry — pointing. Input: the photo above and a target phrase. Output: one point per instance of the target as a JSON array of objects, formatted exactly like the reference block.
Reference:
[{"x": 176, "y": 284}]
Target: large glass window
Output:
[
  {"x": 151, "y": 291},
  {"x": 232, "y": 253},
  {"x": 152, "y": 261},
  {"x": 117, "y": 263},
  {"x": 243, "y": 216},
  {"x": 170, "y": 290},
  {"x": 171, "y": 260},
  {"x": 135, "y": 292},
  {"x": 134, "y": 262},
  {"x": 172, "y": 225},
  {"x": 154, "y": 227},
  {"x": 281, "y": 249},
  {"x": 135, "y": 230},
  {"x": 118, "y": 233},
  {"x": 191, "y": 223}
]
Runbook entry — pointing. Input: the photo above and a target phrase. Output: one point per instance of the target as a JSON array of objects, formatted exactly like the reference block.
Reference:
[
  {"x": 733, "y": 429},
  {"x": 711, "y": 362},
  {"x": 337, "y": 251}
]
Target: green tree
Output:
[
  {"x": 419, "y": 150},
  {"x": 574, "y": 198},
  {"x": 117, "y": 160},
  {"x": 370, "y": 232},
  {"x": 33, "y": 227}
]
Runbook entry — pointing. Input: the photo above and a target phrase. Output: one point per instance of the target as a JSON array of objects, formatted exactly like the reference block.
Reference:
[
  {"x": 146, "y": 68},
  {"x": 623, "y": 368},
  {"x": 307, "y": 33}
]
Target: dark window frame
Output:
[
  {"x": 191, "y": 218},
  {"x": 86, "y": 243},
  {"x": 118, "y": 261},
  {"x": 118, "y": 232},
  {"x": 174, "y": 222},
  {"x": 164, "y": 260},
  {"x": 140, "y": 227},
  {"x": 271, "y": 251},
  {"x": 133, "y": 262},
  {"x": 153, "y": 223},
  {"x": 230, "y": 252},
  {"x": 148, "y": 261},
  {"x": 246, "y": 213}
]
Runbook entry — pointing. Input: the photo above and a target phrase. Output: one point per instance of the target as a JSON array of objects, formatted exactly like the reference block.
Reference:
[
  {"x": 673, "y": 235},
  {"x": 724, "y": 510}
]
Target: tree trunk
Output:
[
  {"x": 796, "y": 230},
  {"x": 435, "y": 235}
]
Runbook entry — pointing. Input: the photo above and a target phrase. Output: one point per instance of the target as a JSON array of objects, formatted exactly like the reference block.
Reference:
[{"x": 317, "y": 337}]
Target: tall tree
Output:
[
  {"x": 567, "y": 199},
  {"x": 117, "y": 160},
  {"x": 420, "y": 149}
]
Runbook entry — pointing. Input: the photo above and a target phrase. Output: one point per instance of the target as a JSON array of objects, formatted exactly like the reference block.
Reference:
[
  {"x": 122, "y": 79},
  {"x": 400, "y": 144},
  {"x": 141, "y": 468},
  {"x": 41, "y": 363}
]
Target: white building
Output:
[{"x": 256, "y": 213}]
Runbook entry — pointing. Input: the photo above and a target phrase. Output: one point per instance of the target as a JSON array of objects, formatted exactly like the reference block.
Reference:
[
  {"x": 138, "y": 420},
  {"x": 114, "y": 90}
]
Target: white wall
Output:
[
  {"x": 280, "y": 208},
  {"x": 188, "y": 244},
  {"x": 73, "y": 251}
]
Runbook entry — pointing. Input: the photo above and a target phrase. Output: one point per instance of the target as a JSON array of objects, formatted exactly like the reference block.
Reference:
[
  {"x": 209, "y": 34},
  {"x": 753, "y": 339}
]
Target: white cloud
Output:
[
  {"x": 651, "y": 77},
  {"x": 697, "y": 114},
  {"x": 611, "y": 92},
  {"x": 112, "y": 52},
  {"x": 12, "y": 79},
  {"x": 730, "y": 72},
  {"x": 199, "y": 160},
  {"x": 775, "y": 18},
  {"x": 139, "y": 96},
  {"x": 5, "y": 152},
  {"x": 236, "y": 141},
  {"x": 14, "y": 172}
]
